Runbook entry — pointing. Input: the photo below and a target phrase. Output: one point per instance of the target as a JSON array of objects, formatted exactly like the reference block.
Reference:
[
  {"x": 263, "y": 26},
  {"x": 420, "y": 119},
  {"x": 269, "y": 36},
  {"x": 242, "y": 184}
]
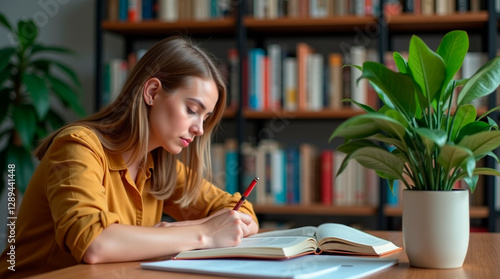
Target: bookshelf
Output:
[{"x": 246, "y": 32}]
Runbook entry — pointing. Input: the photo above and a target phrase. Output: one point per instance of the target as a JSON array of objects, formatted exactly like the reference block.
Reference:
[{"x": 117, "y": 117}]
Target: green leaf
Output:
[
  {"x": 45, "y": 64},
  {"x": 401, "y": 145},
  {"x": 352, "y": 146},
  {"x": 482, "y": 83},
  {"x": 27, "y": 32},
  {"x": 42, "y": 65},
  {"x": 5, "y": 103},
  {"x": 400, "y": 62},
  {"x": 5, "y": 55},
  {"x": 54, "y": 120},
  {"x": 38, "y": 91},
  {"x": 66, "y": 95},
  {"x": 452, "y": 156},
  {"x": 68, "y": 71},
  {"x": 364, "y": 107},
  {"x": 427, "y": 68},
  {"x": 472, "y": 182},
  {"x": 5, "y": 75},
  {"x": 397, "y": 87},
  {"x": 5, "y": 22},
  {"x": 379, "y": 160},
  {"x": 464, "y": 115},
  {"x": 25, "y": 122},
  {"x": 482, "y": 142},
  {"x": 22, "y": 159},
  {"x": 479, "y": 171},
  {"x": 368, "y": 124},
  {"x": 38, "y": 48},
  {"x": 484, "y": 114},
  {"x": 430, "y": 137},
  {"x": 471, "y": 129},
  {"x": 452, "y": 49}
]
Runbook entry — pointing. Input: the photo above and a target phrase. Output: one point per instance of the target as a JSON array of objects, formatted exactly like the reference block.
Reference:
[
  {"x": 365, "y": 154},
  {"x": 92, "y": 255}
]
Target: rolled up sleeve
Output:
[{"x": 76, "y": 193}]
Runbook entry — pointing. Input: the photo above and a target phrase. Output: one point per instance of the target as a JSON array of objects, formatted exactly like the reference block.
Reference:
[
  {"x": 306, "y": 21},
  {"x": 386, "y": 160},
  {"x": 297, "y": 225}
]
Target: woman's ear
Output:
[{"x": 151, "y": 88}]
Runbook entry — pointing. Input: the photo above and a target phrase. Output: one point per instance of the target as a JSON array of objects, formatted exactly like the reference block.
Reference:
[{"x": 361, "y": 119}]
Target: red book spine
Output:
[{"x": 326, "y": 177}]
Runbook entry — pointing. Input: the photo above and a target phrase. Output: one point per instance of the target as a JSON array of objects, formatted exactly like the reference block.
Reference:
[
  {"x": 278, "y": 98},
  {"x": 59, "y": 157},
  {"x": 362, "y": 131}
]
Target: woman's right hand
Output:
[{"x": 226, "y": 229}]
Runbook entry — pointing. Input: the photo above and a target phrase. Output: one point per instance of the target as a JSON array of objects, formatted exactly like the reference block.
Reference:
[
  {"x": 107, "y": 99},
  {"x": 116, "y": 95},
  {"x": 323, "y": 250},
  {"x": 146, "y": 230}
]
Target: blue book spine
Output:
[
  {"x": 147, "y": 9},
  {"x": 256, "y": 82},
  {"x": 232, "y": 172},
  {"x": 296, "y": 176},
  {"x": 281, "y": 194},
  {"x": 123, "y": 10}
]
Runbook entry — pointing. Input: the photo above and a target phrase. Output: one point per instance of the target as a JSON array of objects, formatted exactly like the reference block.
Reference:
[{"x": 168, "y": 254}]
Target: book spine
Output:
[
  {"x": 123, "y": 10},
  {"x": 275, "y": 55},
  {"x": 168, "y": 10},
  {"x": 428, "y": 7},
  {"x": 326, "y": 177},
  {"x": 335, "y": 80},
  {"x": 231, "y": 166},
  {"x": 290, "y": 101},
  {"x": 234, "y": 78},
  {"x": 358, "y": 88}
]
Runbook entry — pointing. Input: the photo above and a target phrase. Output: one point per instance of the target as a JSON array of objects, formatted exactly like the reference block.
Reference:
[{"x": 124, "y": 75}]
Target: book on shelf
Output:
[
  {"x": 328, "y": 238},
  {"x": 272, "y": 9},
  {"x": 301, "y": 175},
  {"x": 167, "y": 10}
]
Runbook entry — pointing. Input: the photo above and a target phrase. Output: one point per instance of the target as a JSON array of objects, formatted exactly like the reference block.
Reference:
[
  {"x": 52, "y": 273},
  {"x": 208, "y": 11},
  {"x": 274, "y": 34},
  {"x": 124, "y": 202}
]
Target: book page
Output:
[
  {"x": 309, "y": 231},
  {"x": 348, "y": 234},
  {"x": 259, "y": 247}
]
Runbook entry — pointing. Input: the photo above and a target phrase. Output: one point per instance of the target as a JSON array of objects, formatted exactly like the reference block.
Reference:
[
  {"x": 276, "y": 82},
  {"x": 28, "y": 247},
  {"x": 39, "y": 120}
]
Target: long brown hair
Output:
[{"x": 123, "y": 125}]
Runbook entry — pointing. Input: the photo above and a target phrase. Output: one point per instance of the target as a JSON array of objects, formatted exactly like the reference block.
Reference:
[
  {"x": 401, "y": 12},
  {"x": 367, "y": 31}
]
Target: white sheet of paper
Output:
[{"x": 309, "y": 266}]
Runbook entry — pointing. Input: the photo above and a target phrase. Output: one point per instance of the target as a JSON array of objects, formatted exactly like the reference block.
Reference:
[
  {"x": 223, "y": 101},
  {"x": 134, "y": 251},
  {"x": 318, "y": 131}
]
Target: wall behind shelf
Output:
[{"x": 71, "y": 25}]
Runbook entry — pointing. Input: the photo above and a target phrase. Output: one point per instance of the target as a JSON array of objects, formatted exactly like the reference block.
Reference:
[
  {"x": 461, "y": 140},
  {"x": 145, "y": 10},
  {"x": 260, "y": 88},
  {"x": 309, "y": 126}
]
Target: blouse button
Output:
[{"x": 138, "y": 223}]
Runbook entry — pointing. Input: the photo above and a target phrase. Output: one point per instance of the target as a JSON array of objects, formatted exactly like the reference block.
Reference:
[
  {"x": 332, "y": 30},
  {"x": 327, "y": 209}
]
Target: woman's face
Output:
[{"x": 175, "y": 118}]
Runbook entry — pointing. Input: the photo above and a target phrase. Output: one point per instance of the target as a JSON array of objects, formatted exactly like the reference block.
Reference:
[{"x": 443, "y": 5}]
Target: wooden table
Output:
[{"x": 482, "y": 261}]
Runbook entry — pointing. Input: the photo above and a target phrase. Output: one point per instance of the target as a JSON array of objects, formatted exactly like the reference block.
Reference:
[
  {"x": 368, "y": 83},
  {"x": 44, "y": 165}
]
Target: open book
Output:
[{"x": 326, "y": 238}]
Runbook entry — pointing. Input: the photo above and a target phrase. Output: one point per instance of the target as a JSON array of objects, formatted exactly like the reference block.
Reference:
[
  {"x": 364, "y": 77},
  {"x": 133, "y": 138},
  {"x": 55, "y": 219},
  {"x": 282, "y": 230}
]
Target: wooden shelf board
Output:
[
  {"x": 316, "y": 209},
  {"x": 474, "y": 211},
  {"x": 306, "y": 24},
  {"x": 411, "y": 22},
  {"x": 156, "y": 27},
  {"x": 322, "y": 114}
]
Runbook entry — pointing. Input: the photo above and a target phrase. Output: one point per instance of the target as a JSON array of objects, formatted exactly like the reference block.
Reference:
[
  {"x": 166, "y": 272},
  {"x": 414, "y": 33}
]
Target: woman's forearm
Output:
[{"x": 119, "y": 243}]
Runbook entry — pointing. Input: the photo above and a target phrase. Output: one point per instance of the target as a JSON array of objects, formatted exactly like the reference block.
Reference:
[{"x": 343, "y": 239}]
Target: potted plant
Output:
[
  {"x": 422, "y": 139},
  {"x": 31, "y": 85}
]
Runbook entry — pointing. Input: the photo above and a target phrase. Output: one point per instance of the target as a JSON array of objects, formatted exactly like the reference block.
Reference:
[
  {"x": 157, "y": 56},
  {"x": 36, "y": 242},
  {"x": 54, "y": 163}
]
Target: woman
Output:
[{"x": 103, "y": 182}]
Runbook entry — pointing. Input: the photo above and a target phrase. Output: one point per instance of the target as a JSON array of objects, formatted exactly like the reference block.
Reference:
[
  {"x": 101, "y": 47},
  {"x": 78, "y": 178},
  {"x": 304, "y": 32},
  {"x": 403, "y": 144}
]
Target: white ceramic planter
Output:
[{"x": 436, "y": 227}]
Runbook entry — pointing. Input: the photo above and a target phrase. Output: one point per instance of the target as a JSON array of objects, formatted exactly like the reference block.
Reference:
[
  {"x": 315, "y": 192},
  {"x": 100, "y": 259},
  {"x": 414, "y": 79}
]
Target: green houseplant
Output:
[
  {"x": 31, "y": 85},
  {"x": 433, "y": 147},
  {"x": 420, "y": 138}
]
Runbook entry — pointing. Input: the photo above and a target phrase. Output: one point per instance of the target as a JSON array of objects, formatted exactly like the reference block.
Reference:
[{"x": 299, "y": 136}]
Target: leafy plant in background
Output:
[
  {"x": 28, "y": 87},
  {"x": 433, "y": 143}
]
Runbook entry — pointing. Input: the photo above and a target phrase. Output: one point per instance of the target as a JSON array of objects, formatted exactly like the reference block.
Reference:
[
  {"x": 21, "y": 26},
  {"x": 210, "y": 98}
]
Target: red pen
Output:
[{"x": 245, "y": 195}]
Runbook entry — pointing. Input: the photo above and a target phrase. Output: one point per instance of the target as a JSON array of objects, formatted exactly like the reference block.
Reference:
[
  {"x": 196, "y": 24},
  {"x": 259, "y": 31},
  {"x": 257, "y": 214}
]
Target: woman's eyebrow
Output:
[{"x": 202, "y": 106}]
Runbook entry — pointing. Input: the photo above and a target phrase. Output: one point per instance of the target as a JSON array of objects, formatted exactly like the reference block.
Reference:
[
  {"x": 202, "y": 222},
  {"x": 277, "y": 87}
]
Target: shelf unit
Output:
[{"x": 241, "y": 27}]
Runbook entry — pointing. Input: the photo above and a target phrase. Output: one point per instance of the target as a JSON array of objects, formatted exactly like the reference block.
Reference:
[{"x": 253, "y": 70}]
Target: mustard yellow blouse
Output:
[{"x": 78, "y": 190}]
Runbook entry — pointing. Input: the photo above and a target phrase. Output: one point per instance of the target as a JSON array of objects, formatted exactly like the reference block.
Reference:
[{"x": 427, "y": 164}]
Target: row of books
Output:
[
  {"x": 293, "y": 175},
  {"x": 304, "y": 80},
  {"x": 394, "y": 197},
  {"x": 271, "y": 9},
  {"x": 167, "y": 10},
  {"x": 429, "y": 7}
]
